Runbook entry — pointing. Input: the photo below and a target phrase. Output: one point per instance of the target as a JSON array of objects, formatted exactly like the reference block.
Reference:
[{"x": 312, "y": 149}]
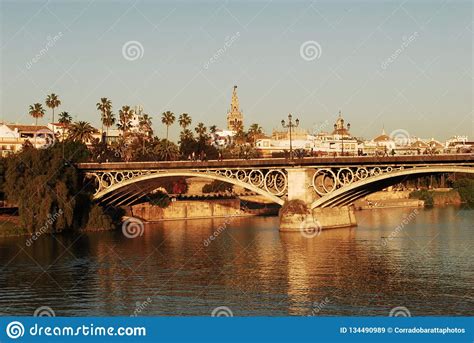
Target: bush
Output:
[
  {"x": 424, "y": 195},
  {"x": 159, "y": 199},
  {"x": 217, "y": 186},
  {"x": 465, "y": 188}
]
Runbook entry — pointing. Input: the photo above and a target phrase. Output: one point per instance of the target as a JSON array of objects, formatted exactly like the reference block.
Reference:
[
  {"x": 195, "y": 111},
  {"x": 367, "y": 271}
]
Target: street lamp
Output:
[
  {"x": 289, "y": 126},
  {"x": 342, "y": 136}
]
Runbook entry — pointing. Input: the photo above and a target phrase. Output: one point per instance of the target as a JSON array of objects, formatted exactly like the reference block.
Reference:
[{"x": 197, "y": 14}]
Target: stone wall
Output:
[
  {"x": 335, "y": 217},
  {"x": 188, "y": 209}
]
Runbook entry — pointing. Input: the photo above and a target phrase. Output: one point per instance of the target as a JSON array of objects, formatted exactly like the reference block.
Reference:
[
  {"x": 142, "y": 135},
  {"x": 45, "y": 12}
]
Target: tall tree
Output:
[
  {"x": 104, "y": 106},
  {"x": 255, "y": 132},
  {"x": 36, "y": 111},
  {"x": 145, "y": 125},
  {"x": 125, "y": 116},
  {"x": 65, "y": 120},
  {"x": 213, "y": 129},
  {"x": 184, "y": 120},
  {"x": 168, "y": 119},
  {"x": 201, "y": 130},
  {"x": 52, "y": 101},
  {"x": 108, "y": 121},
  {"x": 81, "y": 131}
]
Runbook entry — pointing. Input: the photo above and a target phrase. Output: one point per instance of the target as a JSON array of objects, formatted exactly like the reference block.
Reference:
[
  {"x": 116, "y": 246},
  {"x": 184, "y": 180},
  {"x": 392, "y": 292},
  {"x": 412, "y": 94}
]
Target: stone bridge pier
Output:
[{"x": 296, "y": 215}]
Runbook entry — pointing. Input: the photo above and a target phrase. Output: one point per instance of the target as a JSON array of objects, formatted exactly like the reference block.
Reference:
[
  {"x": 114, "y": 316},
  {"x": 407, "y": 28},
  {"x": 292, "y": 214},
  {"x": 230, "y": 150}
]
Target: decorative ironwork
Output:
[{"x": 273, "y": 181}]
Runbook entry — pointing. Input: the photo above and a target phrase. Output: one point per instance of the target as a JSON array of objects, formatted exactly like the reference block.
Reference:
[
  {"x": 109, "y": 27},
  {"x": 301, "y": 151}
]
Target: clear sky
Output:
[{"x": 398, "y": 64}]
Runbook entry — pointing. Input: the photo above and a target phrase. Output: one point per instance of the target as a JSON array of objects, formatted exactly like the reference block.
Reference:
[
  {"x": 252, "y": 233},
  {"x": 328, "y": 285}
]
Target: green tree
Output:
[
  {"x": 168, "y": 119},
  {"x": 255, "y": 132},
  {"x": 65, "y": 120},
  {"x": 36, "y": 111},
  {"x": 184, "y": 120},
  {"x": 104, "y": 106},
  {"x": 52, "y": 101},
  {"x": 125, "y": 116},
  {"x": 167, "y": 151},
  {"x": 81, "y": 131},
  {"x": 108, "y": 121}
]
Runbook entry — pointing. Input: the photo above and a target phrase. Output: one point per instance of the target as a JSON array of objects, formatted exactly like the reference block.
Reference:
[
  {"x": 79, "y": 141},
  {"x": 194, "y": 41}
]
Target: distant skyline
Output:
[{"x": 398, "y": 65}]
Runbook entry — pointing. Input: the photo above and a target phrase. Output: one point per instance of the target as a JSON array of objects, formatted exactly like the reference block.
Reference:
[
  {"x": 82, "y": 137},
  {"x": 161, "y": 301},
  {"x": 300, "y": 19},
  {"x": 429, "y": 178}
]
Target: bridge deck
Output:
[{"x": 282, "y": 162}]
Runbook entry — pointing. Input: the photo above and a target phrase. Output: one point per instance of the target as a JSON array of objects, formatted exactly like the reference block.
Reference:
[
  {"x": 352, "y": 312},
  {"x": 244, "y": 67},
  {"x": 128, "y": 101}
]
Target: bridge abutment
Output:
[{"x": 297, "y": 216}]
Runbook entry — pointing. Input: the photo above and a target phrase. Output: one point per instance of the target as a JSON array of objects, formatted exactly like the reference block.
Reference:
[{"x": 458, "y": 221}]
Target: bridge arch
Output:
[
  {"x": 109, "y": 191},
  {"x": 356, "y": 190}
]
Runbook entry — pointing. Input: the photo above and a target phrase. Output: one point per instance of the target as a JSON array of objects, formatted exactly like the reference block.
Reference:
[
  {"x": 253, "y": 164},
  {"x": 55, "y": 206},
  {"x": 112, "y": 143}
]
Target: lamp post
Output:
[
  {"x": 289, "y": 126},
  {"x": 342, "y": 136}
]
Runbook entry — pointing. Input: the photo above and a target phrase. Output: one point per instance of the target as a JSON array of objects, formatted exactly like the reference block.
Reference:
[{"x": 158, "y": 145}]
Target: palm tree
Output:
[
  {"x": 65, "y": 120},
  {"x": 145, "y": 124},
  {"x": 125, "y": 117},
  {"x": 52, "y": 101},
  {"x": 81, "y": 131},
  {"x": 184, "y": 120},
  {"x": 200, "y": 130},
  {"x": 36, "y": 111},
  {"x": 108, "y": 120},
  {"x": 255, "y": 131},
  {"x": 186, "y": 135},
  {"x": 104, "y": 106},
  {"x": 168, "y": 119}
]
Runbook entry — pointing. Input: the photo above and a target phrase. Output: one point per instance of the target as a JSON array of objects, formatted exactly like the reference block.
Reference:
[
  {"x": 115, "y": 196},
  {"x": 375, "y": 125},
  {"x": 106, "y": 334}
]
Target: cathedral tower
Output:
[{"x": 235, "y": 118}]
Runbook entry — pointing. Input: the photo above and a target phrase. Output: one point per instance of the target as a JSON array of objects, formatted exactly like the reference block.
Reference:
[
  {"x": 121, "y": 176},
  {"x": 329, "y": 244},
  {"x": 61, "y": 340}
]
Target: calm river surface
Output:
[{"x": 427, "y": 266}]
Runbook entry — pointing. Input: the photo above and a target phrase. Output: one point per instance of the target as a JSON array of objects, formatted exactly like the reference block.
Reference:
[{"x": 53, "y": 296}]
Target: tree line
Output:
[{"x": 137, "y": 142}]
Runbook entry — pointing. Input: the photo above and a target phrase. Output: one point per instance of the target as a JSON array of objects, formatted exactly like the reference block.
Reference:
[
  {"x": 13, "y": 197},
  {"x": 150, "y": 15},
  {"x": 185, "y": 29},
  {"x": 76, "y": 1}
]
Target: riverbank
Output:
[{"x": 401, "y": 199}]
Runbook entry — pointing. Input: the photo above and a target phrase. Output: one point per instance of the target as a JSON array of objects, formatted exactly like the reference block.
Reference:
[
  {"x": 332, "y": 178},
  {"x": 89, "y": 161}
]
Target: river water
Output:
[{"x": 419, "y": 259}]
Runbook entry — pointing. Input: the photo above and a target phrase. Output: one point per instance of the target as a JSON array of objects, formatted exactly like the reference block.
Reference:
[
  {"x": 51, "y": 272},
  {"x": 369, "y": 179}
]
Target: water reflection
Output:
[{"x": 250, "y": 267}]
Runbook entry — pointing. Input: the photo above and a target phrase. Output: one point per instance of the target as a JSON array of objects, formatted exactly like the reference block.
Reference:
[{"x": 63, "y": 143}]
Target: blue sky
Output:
[{"x": 401, "y": 64}]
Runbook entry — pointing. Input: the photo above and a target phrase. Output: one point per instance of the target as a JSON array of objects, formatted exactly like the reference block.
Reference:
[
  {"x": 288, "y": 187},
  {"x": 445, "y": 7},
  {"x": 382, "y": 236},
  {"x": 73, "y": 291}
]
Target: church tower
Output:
[{"x": 235, "y": 118}]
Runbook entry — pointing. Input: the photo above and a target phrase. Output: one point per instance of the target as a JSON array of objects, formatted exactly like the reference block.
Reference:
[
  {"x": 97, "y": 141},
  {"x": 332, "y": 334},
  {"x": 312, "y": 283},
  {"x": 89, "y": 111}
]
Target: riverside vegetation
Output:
[{"x": 50, "y": 193}]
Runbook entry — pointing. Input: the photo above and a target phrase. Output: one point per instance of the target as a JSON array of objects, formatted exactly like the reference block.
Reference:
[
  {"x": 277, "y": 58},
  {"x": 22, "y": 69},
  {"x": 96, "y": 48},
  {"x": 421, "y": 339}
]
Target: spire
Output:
[
  {"x": 383, "y": 130},
  {"x": 234, "y": 116}
]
